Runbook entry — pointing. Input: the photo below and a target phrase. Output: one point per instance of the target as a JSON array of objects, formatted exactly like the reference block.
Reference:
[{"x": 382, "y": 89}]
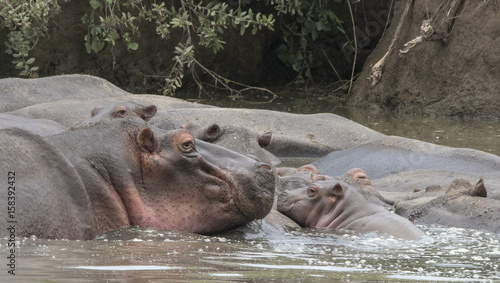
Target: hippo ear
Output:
[
  {"x": 147, "y": 140},
  {"x": 479, "y": 190},
  {"x": 211, "y": 133},
  {"x": 308, "y": 168},
  {"x": 338, "y": 190},
  {"x": 148, "y": 112},
  {"x": 265, "y": 139}
]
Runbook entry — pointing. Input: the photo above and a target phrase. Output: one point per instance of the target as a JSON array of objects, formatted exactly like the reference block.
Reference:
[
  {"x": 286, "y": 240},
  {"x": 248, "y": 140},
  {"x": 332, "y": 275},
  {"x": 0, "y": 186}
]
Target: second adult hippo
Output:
[
  {"x": 324, "y": 202},
  {"x": 117, "y": 110},
  {"x": 118, "y": 172}
]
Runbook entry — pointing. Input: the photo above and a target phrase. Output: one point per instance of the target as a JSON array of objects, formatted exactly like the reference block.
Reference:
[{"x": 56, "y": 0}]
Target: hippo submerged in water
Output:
[
  {"x": 460, "y": 204},
  {"x": 118, "y": 172},
  {"x": 322, "y": 201}
]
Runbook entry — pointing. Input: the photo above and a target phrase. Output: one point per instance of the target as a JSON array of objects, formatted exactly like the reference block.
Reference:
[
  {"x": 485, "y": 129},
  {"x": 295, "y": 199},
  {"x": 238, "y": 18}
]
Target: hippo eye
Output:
[
  {"x": 311, "y": 191},
  {"x": 187, "y": 146},
  {"x": 120, "y": 111}
]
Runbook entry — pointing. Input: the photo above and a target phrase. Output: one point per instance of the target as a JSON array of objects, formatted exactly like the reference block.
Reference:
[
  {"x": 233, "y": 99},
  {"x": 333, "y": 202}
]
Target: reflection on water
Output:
[{"x": 305, "y": 255}]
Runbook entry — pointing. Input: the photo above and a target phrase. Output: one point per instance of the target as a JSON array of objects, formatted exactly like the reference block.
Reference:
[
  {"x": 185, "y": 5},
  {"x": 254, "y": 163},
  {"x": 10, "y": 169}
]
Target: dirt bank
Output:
[{"x": 454, "y": 70}]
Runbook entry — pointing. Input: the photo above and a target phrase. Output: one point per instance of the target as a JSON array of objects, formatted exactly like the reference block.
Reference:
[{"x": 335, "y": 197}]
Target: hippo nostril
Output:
[{"x": 264, "y": 166}]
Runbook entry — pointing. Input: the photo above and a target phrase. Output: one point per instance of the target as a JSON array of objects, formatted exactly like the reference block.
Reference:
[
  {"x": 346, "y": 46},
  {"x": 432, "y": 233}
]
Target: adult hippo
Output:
[
  {"x": 83, "y": 182},
  {"x": 325, "y": 202},
  {"x": 460, "y": 204}
]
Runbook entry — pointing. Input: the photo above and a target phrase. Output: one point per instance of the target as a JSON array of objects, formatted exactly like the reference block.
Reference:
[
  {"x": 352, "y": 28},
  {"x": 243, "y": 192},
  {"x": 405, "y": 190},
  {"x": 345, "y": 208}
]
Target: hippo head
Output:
[
  {"x": 194, "y": 186},
  {"x": 123, "y": 109},
  {"x": 118, "y": 110},
  {"x": 307, "y": 204},
  {"x": 237, "y": 139},
  {"x": 214, "y": 134},
  {"x": 464, "y": 187}
]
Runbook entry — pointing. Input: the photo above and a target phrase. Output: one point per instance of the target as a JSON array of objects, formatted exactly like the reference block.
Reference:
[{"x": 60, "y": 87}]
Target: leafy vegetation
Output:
[
  {"x": 112, "y": 22},
  {"x": 26, "y": 21},
  {"x": 308, "y": 21}
]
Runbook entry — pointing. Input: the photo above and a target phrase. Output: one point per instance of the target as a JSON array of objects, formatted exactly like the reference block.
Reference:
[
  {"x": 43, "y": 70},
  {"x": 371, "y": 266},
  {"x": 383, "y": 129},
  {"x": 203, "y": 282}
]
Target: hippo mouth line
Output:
[{"x": 226, "y": 178}]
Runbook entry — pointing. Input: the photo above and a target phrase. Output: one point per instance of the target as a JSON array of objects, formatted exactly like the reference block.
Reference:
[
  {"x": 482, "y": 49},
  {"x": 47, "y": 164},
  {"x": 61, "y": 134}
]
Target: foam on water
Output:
[
  {"x": 445, "y": 254},
  {"x": 126, "y": 267}
]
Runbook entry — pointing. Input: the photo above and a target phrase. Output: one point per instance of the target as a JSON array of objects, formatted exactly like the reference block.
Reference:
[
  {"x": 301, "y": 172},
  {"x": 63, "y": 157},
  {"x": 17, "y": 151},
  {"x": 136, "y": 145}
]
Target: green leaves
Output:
[
  {"x": 133, "y": 46},
  {"x": 96, "y": 4},
  {"x": 310, "y": 20},
  {"x": 117, "y": 22},
  {"x": 26, "y": 22}
]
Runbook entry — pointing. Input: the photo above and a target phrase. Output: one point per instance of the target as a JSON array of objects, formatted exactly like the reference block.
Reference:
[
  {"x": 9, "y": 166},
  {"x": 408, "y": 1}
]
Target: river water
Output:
[{"x": 277, "y": 255}]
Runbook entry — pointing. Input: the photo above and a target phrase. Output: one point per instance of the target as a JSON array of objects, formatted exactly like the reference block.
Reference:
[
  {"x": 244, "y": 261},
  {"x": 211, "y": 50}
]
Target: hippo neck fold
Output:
[{"x": 102, "y": 154}]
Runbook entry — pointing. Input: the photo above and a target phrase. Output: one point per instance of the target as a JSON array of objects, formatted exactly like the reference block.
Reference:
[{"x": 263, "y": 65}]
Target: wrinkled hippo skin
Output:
[
  {"x": 322, "y": 201},
  {"x": 86, "y": 181},
  {"x": 460, "y": 204}
]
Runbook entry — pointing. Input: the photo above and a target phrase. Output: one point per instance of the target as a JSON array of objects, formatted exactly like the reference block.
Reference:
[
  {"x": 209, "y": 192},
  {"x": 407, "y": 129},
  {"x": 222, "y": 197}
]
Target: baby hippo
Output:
[{"x": 329, "y": 203}]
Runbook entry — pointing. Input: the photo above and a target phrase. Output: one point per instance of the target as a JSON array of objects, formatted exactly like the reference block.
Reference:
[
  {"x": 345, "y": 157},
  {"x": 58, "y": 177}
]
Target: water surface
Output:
[{"x": 305, "y": 255}]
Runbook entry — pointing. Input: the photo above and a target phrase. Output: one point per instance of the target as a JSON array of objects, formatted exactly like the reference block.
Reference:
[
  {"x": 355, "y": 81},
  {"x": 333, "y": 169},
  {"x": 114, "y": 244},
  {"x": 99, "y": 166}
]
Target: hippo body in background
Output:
[
  {"x": 460, "y": 204},
  {"x": 324, "y": 202},
  {"x": 86, "y": 181},
  {"x": 402, "y": 186},
  {"x": 392, "y": 155},
  {"x": 16, "y": 93},
  {"x": 41, "y": 127}
]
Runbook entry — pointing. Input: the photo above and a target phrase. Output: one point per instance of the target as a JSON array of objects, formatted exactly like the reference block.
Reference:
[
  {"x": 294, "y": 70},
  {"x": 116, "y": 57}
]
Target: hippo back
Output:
[{"x": 45, "y": 188}]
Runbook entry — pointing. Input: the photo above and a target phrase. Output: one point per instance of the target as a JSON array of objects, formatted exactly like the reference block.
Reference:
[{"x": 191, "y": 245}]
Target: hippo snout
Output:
[
  {"x": 283, "y": 205},
  {"x": 256, "y": 196}
]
